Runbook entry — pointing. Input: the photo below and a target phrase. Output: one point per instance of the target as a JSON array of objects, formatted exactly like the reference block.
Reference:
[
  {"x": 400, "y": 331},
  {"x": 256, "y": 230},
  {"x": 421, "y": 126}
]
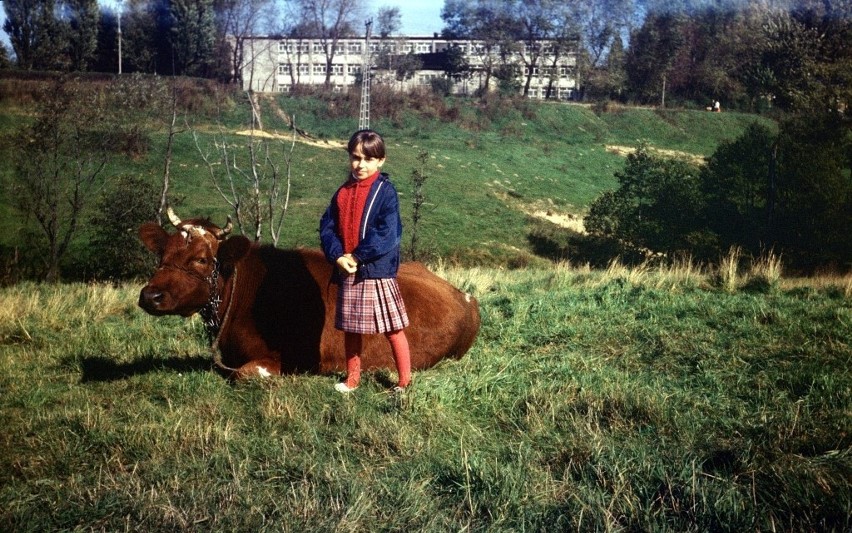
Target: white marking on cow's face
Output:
[
  {"x": 467, "y": 297},
  {"x": 187, "y": 230},
  {"x": 264, "y": 373}
]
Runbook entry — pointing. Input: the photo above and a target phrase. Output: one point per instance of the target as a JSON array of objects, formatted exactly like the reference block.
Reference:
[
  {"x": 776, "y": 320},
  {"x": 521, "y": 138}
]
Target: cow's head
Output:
[{"x": 188, "y": 263}]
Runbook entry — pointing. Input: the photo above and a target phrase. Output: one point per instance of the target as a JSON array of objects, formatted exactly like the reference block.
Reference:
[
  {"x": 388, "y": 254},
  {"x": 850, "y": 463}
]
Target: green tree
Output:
[
  {"x": 658, "y": 205},
  {"x": 35, "y": 34},
  {"x": 60, "y": 165},
  {"x": 144, "y": 39},
  {"x": 651, "y": 59},
  {"x": 737, "y": 182},
  {"x": 388, "y": 21},
  {"x": 119, "y": 211},
  {"x": 494, "y": 24},
  {"x": 812, "y": 217},
  {"x": 80, "y": 18},
  {"x": 192, "y": 36}
]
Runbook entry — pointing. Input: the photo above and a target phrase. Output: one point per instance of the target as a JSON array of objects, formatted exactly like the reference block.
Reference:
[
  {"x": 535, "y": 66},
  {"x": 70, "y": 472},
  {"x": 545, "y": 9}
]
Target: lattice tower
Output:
[{"x": 364, "y": 117}]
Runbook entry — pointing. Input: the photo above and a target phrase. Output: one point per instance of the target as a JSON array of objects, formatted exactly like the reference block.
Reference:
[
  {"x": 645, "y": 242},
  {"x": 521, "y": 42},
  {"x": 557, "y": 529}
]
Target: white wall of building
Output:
[{"x": 277, "y": 64}]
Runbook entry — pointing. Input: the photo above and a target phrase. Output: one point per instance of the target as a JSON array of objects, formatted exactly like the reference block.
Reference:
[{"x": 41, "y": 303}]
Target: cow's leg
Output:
[{"x": 262, "y": 367}]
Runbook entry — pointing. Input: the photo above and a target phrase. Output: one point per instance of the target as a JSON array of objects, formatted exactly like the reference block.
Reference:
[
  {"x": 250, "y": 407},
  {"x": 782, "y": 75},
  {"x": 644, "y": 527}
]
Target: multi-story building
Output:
[{"x": 275, "y": 64}]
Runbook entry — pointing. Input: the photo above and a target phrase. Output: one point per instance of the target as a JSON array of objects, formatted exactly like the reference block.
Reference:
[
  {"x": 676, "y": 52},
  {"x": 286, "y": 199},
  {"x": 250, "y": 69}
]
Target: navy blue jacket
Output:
[{"x": 380, "y": 232}]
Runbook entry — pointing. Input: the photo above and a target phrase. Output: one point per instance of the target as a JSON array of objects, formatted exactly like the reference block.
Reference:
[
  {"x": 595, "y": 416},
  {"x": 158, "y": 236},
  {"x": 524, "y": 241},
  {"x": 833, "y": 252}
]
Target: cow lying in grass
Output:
[{"x": 270, "y": 311}]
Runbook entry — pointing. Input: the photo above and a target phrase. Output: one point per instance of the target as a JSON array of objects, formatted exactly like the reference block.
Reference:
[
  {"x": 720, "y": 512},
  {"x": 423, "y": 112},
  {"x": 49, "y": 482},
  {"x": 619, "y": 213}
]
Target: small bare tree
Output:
[
  {"x": 252, "y": 181},
  {"x": 60, "y": 164},
  {"x": 418, "y": 177}
]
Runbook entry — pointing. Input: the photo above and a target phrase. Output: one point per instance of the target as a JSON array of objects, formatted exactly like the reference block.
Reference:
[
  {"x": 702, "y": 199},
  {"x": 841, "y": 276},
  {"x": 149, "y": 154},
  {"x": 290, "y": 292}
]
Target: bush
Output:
[{"x": 116, "y": 251}]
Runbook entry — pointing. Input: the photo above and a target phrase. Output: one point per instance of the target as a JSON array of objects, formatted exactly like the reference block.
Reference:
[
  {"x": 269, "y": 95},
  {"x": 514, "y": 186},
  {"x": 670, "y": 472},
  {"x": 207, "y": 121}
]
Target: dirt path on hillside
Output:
[
  {"x": 302, "y": 136},
  {"x": 626, "y": 150}
]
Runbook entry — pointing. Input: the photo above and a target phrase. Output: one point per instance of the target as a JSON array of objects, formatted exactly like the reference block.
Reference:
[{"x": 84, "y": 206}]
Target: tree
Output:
[
  {"x": 141, "y": 35},
  {"x": 238, "y": 20},
  {"x": 658, "y": 205},
  {"x": 738, "y": 188},
  {"x": 329, "y": 21},
  {"x": 34, "y": 33},
  {"x": 106, "y": 51},
  {"x": 60, "y": 165},
  {"x": 80, "y": 18},
  {"x": 812, "y": 217},
  {"x": 490, "y": 22},
  {"x": 252, "y": 182},
  {"x": 388, "y": 21},
  {"x": 652, "y": 56},
  {"x": 118, "y": 213},
  {"x": 192, "y": 36}
]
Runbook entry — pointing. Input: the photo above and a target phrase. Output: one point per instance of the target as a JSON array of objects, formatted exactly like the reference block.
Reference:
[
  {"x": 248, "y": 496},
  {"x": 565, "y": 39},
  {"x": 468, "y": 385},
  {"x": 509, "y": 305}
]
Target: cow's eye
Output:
[{"x": 201, "y": 261}]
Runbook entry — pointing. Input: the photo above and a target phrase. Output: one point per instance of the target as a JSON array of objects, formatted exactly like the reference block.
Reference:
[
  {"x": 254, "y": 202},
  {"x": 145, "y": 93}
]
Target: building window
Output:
[
  {"x": 354, "y": 48},
  {"x": 304, "y": 70},
  {"x": 318, "y": 69},
  {"x": 353, "y": 70},
  {"x": 337, "y": 70},
  {"x": 283, "y": 68}
]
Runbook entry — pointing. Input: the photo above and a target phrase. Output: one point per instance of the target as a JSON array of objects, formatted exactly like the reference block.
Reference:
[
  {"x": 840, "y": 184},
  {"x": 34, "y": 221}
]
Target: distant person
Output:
[
  {"x": 717, "y": 107},
  {"x": 361, "y": 233}
]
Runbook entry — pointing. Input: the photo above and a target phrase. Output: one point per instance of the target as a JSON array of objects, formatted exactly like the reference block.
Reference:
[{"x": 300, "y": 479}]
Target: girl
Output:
[{"x": 361, "y": 233}]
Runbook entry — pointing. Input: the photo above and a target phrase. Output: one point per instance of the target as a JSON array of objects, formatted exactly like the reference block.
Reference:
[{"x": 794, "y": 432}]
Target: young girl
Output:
[{"x": 361, "y": 233}]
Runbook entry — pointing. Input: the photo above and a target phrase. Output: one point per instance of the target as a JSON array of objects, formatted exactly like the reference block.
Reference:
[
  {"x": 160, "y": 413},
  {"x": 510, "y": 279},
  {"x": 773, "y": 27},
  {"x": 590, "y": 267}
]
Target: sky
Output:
[{"x": 418, "y": 17}]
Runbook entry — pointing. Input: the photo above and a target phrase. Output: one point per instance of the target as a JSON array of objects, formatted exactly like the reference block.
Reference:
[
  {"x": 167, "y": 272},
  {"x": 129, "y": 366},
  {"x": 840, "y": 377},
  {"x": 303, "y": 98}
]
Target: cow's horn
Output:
[
  {"x": 173, "y": 218},
  {"x": 227, "y": 229}
]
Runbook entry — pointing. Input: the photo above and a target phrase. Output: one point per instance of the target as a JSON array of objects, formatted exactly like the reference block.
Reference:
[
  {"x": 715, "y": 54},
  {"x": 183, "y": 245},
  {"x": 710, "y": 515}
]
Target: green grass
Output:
[
  {"x": 489, "y": 167},
  {"x": 626, "y": 399}
]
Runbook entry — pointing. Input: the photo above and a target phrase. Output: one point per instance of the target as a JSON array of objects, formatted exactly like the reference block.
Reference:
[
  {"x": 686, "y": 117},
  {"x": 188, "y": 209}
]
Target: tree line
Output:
[{"x": 749, "y": 54}]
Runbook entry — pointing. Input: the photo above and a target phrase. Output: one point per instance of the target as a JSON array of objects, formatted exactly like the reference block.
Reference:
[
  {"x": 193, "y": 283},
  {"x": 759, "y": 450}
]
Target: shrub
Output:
[{"x": 116, "y": 251}]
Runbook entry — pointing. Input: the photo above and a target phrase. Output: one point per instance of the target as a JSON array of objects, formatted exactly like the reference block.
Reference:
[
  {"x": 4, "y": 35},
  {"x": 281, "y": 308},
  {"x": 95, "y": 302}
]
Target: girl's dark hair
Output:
[{"x": 371, "y": 143}]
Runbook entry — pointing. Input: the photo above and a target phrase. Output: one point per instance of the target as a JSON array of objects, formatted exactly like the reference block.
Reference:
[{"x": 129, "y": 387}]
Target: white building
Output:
[{"x": 274, "y": 64}]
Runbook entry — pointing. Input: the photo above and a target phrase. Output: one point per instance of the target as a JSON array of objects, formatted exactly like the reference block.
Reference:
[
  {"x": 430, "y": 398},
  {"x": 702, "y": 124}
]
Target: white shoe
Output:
[{"x": 343, "y": 388}]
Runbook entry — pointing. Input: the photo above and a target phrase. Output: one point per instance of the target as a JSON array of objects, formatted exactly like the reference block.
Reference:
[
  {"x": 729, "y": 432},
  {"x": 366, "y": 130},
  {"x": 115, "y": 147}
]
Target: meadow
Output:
[
  {"x": 494, "y": 170},
  {"x": 627, "y": 399},
  {"x": 647, "y": 397}
]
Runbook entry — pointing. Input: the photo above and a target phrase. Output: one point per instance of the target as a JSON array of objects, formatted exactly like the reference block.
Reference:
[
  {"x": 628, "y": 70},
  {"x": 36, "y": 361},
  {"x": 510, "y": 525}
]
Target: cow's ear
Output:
[
  {"x": 154, "y": 237},
  {"x": 232, "y": 250}
]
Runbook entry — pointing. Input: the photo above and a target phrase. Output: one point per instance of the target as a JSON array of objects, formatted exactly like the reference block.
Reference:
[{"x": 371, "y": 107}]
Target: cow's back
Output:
[{"x": 285, "y": 310}]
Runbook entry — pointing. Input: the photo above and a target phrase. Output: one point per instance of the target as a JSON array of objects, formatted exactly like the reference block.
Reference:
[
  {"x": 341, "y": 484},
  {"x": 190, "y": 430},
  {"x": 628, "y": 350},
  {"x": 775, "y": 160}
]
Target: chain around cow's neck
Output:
[{"x": 210, "y": 312}]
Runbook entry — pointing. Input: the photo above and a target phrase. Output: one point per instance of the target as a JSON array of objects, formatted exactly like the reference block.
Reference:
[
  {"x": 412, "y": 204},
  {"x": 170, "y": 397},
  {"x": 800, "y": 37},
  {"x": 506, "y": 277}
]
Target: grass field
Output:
[
  {"x": 631, "y": 399},
  {"x": 666, "y": 398},
  {"x": 488, "y": 168}
]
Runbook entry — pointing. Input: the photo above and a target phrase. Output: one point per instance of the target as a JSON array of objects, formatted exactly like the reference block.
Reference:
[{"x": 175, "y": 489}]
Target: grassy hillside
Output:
[
  {"x": 490, "y": 167},
  {"x": 631, "y": 399}
]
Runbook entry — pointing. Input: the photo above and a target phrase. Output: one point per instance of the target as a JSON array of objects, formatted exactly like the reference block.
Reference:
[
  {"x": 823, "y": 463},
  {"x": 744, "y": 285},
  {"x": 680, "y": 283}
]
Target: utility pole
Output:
[
  {"x": 119, "y": 2},
  {"x": 364, "y": 118}
]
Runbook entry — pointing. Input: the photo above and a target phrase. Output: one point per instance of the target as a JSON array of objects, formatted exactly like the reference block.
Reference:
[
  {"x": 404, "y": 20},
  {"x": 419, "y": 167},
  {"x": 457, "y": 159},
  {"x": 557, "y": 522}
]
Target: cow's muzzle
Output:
[{"x": 151, "y": 300}]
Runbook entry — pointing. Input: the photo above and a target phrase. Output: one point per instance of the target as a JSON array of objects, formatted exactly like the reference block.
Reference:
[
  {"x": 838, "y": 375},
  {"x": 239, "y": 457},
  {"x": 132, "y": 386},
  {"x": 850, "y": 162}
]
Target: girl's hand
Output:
[{"x": 347, "y": 263}]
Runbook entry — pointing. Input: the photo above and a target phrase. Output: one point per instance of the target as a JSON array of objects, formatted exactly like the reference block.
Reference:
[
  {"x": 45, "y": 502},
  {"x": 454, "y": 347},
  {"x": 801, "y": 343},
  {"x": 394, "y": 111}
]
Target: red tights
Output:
[{"x": 352, "y": 343}]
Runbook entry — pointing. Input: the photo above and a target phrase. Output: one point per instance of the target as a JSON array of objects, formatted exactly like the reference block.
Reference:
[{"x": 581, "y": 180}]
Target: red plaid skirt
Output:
[{"x": 369, "y": 306}]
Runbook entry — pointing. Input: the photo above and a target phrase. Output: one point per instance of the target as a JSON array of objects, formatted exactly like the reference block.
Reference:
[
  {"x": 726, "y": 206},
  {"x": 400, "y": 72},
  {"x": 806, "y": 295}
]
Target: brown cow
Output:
[{"x": 270, "y": 311}]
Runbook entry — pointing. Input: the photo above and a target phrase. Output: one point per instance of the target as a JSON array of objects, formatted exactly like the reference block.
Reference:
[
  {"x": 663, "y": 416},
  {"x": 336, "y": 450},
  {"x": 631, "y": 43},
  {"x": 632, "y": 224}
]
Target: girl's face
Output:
[{"x": 362, "y": 166}]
